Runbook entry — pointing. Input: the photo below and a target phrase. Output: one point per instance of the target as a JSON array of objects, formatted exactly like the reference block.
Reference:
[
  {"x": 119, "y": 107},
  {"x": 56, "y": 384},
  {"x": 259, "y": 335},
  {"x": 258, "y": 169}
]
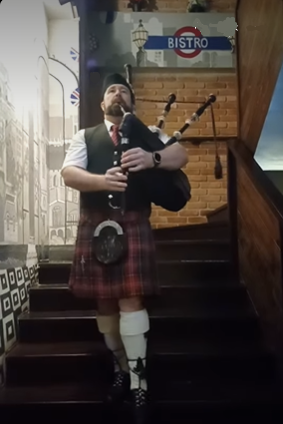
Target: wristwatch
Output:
[{"x": 156, "y": 157}]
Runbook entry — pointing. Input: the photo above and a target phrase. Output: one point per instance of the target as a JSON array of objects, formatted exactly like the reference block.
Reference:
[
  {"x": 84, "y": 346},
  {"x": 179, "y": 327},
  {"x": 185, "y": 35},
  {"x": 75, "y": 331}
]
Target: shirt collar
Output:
[{"x": 108, "y": 124}]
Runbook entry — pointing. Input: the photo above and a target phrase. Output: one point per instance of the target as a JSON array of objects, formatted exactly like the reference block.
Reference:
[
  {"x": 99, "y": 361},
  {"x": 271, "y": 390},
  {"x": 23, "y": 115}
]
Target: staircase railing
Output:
[{"x": 256, "y": 217}]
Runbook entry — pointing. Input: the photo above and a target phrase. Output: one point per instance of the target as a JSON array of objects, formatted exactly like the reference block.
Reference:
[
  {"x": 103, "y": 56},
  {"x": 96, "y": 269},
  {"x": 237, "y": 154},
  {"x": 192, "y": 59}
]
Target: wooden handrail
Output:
[{"x": 263, "y": 184}]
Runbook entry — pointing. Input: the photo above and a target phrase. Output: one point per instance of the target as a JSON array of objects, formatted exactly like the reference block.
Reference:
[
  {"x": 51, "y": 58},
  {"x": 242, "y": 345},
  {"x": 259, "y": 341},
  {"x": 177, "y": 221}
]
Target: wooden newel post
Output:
[{"x": 89, "y": 75}]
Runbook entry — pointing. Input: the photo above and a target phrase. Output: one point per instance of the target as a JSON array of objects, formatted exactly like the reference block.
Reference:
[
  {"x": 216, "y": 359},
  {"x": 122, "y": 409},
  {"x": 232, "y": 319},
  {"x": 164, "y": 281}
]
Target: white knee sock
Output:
[
  {"x": 133, "y": 326},
  {"x": 108, "y": 325}
]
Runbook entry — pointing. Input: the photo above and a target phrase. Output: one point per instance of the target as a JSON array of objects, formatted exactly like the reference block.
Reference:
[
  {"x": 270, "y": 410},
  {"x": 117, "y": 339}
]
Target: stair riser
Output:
[
  {"x": 63, "y": 300},
  {"x": 52, "y": 370},
  {"x": 198, "y": 232},
  {"x": 198, "y": 413},
  {"x": 165, "y": 251},
  {"x": 64, "y": 369},
  {"x": 167, "y": 272},
  {"x": 82, "y": 329},
  {"x": 203, "y": 251}
]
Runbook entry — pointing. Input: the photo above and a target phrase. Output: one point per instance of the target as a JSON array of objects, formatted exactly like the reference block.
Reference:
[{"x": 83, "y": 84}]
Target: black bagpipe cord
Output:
[{"x": 218, "y": 170}]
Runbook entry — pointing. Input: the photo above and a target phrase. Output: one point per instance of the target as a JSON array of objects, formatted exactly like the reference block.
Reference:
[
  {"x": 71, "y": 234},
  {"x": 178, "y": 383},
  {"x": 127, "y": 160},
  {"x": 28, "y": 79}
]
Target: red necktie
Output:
[{"x": 115, "y": 134}]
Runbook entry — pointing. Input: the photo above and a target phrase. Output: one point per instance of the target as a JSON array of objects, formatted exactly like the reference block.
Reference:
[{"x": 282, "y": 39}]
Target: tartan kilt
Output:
[{"x": 135, "y": 275}]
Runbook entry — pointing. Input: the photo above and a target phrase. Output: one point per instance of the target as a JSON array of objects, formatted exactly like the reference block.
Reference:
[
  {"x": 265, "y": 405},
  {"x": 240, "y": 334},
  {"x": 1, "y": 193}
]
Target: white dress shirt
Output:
[{"x": 77, "y": 152}]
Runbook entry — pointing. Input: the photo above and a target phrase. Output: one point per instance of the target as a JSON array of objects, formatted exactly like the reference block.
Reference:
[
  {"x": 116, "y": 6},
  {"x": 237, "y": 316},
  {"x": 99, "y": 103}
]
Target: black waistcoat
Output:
[{"x": 102, "y": 153}]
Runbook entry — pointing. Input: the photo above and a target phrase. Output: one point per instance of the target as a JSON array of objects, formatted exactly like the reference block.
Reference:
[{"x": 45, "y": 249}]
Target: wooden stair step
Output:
[
  {"x": 194, "y": 347},
  {"x": 185, "y": 392},
  {"x": 170, "y": 312},
  {"x": 178, "y": 249},
  {"x": 31, "y": 363},
  {"x": 172, "y": 322},
  {"x": 52, "y": 394},
  {"x": 169, "y": 403},
  {"x": 40, "y": 364},
  {"x": 172, "y": 249},
  {"x": 58, "y": 272},
  {"x": 181, "y": 393},
  {"x": 54, "y": 297},
  {"x": 217, "y": 230}
]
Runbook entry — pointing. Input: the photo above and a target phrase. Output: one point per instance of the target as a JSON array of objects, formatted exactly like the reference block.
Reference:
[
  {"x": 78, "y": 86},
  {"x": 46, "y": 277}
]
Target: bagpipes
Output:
[{"x": 169, "y": 189}]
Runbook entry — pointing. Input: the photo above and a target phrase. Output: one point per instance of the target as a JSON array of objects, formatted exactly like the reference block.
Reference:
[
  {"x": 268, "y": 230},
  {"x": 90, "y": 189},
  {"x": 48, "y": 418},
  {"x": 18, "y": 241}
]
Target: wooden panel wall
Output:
[
  {"x": 260, "y": 54},
  {"x": 260, "y": 256}
]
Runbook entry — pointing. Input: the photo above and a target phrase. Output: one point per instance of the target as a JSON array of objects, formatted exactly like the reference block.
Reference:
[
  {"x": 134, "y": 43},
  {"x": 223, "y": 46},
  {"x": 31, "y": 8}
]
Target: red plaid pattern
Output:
[{"x": 135, "y": 276}]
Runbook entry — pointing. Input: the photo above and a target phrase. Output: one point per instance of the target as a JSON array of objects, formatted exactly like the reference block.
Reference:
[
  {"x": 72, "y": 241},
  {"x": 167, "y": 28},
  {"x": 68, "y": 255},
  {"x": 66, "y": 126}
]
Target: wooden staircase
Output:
[{"x": 206, "y": 358}]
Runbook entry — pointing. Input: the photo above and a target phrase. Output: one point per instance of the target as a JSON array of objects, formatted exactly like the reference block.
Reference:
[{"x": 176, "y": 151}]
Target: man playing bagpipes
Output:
[{"x": 114, "y": 261}]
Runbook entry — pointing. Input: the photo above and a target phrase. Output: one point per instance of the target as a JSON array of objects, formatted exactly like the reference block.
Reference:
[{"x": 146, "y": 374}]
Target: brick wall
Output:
[
  {"x": 189, "y": 85},
  {"x": 192, "y": 86}
]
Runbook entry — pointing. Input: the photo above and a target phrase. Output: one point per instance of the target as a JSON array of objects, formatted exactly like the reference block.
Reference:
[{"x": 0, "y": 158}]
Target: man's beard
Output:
[{"x": 115, "y": 110}]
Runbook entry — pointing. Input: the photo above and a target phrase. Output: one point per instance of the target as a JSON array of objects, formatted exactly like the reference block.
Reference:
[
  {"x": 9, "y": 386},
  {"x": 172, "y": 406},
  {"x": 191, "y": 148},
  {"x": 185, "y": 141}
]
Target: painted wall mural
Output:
[
  {"x": 64, "y": 98},
  {"x": 195, "y": 40},
  {"x": 39, "y": 108},
  {"x": 24, "y": 136},
  {"x": 24, "y": 126}
]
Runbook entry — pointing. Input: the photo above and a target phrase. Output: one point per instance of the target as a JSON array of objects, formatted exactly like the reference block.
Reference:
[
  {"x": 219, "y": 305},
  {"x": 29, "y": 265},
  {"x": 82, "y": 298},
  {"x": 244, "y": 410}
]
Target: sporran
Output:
[{"x": 110, "y": 242}]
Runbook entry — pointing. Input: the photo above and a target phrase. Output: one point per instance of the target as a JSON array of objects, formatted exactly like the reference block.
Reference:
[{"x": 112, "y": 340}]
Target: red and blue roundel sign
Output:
[{"x": 188, "y": 42}]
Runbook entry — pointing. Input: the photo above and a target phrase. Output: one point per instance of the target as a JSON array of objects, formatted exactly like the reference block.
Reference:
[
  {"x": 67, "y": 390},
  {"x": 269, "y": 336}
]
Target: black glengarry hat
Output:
[{"x": 116, "y": 79}]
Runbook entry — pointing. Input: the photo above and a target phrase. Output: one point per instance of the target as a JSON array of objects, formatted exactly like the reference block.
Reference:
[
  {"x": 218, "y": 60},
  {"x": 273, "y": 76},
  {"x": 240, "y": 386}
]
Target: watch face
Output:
[{"x": 157, "y": 157}]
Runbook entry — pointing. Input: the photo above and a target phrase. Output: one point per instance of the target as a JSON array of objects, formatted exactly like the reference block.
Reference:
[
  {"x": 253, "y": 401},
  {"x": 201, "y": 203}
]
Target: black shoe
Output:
[
  {"x": 120, "y": 387},
  {"x": 140, "y": 406}
]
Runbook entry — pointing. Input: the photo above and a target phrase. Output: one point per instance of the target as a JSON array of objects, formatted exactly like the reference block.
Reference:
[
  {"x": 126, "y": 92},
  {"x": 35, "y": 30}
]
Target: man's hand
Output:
[
  {"x": 115, "y": 179},
  {"x": 136, "y": 160}
]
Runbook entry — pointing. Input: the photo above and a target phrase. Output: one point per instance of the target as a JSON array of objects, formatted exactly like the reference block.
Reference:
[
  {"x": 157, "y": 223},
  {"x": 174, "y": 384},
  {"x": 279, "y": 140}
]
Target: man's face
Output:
[{"x": 115, "y": 95}]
